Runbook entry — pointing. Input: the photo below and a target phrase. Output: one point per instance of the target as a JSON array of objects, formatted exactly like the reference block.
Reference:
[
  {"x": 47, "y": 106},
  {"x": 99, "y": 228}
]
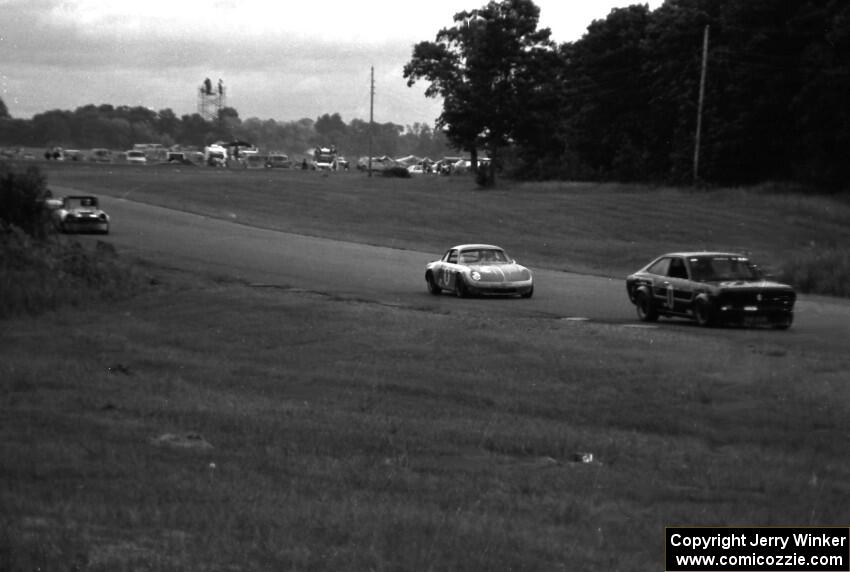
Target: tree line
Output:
[
  {"x": 120, "y": 127},
  {"x": 622, "y": 102}
]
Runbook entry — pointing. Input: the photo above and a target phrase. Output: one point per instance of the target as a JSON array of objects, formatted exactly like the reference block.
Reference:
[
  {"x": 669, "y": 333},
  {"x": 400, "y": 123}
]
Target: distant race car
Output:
[
  {"x": 80, "y": 213},
  {"x": 478, "y": 269},
  {"x": 711, "y": 288}
]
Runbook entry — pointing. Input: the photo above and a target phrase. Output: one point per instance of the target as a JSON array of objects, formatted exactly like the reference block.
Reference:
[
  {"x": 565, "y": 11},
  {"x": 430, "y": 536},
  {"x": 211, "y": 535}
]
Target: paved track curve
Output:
[
  {"x": 396, "y": 277},
  {"x": 338, "y": 268}
]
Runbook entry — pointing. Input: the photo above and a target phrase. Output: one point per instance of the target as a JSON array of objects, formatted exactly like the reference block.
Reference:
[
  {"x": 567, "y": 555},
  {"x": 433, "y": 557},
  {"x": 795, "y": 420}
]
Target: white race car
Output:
[
  {"x": 80, "y": 213},
  {"x": 478, "y": 269}
]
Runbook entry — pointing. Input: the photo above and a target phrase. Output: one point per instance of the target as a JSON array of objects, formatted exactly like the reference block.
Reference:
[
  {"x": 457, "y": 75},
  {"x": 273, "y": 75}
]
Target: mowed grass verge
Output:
[
  {"x": 209, "y": 425},
  {"x": 600, "y": 229}
]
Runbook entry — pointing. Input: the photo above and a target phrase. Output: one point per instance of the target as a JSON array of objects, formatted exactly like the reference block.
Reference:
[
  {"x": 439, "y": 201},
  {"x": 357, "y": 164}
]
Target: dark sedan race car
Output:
[
  {"x": 478, "y": 269},
  {"x": 712, "y": 288}
]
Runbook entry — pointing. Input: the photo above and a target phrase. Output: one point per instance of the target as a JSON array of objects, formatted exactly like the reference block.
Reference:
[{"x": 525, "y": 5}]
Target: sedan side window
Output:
[
  {"x": 677, "y": 269},
  {"x": 452, "y": 257},
  {"x": 660, "y": 267}
]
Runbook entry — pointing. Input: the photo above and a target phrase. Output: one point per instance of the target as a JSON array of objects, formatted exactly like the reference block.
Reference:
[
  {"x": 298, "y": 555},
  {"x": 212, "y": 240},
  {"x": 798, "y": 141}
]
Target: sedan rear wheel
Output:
[{"x": 646, "y": 311}]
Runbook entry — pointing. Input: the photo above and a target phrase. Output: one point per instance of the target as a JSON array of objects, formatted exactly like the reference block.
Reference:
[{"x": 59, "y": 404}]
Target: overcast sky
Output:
[{"x": 277, "y": 59}]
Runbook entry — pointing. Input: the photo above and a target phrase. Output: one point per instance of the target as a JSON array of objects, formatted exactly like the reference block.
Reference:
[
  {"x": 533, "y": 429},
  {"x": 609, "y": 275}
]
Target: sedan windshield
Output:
[
  {"x": 722, "y": 268},
  {"x": 484, "y": 256}
]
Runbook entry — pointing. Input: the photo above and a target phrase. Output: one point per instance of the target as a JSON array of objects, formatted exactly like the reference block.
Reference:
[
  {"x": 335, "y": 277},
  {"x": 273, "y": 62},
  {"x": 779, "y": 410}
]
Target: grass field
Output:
[
  {"x": 206, "y": 425},
  {"x": 600, "y": 229}
]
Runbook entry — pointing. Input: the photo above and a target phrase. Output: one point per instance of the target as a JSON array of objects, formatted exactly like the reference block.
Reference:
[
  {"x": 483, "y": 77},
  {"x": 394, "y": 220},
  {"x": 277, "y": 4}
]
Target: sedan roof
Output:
[{"x": 703, "y": 253}]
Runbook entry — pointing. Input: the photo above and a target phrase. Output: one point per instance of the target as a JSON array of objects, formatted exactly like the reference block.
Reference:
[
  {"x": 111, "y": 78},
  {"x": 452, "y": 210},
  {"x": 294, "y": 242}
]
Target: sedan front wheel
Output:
[
  {"x": 704, "y": 313},
  {"x": 646, "y": 311}
]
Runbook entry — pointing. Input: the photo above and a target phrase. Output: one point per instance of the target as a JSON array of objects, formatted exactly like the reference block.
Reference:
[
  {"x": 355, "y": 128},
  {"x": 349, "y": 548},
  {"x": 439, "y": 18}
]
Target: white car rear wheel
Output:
[{"x": 433, "y": 288}]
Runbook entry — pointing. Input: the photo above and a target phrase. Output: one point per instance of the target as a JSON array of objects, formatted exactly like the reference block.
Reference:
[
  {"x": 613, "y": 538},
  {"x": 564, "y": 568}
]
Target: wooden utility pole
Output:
[
  {"x": 371, "y": 116},
  {"x": 700, "y": 104}
]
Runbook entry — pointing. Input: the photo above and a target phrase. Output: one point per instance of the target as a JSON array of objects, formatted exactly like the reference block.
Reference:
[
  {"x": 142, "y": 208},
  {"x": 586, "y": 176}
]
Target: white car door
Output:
[{"x": 447, "y": 270}]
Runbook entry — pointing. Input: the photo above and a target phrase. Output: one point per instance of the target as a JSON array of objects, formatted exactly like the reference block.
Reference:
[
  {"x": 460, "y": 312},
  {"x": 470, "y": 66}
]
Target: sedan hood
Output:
[{"x": 736, "y": 285}]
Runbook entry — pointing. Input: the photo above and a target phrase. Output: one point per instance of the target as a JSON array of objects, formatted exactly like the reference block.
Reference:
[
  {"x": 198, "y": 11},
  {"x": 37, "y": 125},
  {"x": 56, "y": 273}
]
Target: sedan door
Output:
[
  {"x": 660, "y": 283},
  {"x": 679, "y": 290}
]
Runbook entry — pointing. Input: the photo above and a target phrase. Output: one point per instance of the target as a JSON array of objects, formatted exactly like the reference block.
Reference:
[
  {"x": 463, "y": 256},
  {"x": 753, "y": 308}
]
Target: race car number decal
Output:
[{"x": 670, "y": 296}]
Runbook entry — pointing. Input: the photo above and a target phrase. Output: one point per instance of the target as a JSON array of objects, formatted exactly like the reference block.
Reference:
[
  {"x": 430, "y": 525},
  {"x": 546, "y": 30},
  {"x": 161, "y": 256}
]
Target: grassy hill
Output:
[{"x": 600, "y": 229}]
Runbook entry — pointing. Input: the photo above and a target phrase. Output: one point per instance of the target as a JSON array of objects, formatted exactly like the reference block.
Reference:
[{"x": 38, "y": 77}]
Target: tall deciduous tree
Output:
[
  {"x": 476, "y": 66},
  {"x": 331, "y": 128},
  {"x": 606, "y": 98}
]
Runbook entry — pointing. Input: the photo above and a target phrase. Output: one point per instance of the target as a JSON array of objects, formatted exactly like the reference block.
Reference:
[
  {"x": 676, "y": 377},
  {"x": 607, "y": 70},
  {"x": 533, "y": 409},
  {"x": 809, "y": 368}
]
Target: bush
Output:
[
  {"x": 825, "y": 271},
  {"x": 399, "y": 172},
  {"x": 22, "y": 199},
  {"x": 484, "y": 178},
  {"x": 41, "y": 275}
]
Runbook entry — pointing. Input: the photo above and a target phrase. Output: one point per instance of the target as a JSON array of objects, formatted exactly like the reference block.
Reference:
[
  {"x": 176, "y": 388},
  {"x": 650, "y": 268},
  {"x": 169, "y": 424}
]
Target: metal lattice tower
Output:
[{"x": 211, "y": 99}]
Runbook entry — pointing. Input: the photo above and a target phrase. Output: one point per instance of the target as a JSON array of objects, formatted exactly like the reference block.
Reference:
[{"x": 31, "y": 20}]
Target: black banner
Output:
[{"x": 757, "y": 549}]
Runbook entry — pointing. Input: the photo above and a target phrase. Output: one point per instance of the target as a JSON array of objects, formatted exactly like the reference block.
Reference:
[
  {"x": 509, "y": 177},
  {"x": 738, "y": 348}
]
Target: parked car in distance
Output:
[
  {"x": 478, "y": 269},
  {"x": 255, "y": 161},
  {"x": 101, "y": 155},
  {"x": 712, "y": 288},
  {"x": 78, "y": 213},
  {"x": 278, "y": 161},
  {"x": 378, "y": 163},
  {"x": 136, "y": 157}
]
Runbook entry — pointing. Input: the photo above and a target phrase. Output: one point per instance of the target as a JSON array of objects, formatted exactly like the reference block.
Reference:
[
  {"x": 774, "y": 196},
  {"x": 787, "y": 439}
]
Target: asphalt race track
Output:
[{"x": 396, "y": 277}]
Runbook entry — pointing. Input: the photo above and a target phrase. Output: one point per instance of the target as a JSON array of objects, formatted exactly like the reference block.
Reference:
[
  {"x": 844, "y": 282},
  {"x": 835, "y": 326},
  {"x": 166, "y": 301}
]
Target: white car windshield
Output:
[{"x": 483, "y": 256}]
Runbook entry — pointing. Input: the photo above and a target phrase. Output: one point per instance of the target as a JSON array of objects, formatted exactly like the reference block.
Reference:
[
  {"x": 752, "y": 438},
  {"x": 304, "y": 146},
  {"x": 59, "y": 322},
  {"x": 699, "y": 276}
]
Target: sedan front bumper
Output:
[{"x": 754, "y": 315}]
